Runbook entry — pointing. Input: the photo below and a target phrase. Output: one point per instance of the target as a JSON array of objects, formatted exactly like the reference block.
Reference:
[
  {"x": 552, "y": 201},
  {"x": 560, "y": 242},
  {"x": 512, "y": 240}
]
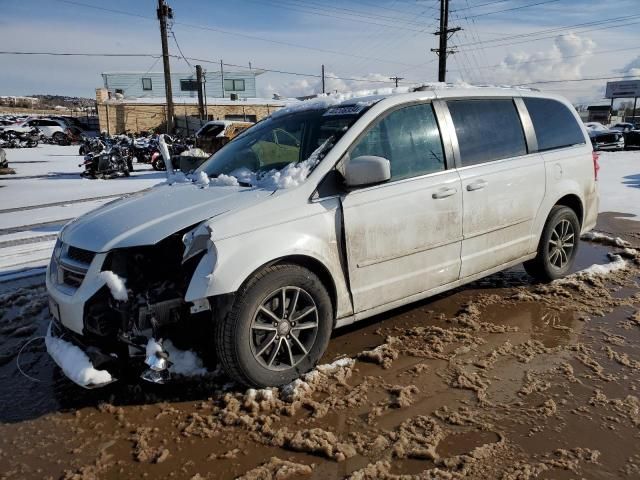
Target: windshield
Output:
[{"x": 277, "y": 143}]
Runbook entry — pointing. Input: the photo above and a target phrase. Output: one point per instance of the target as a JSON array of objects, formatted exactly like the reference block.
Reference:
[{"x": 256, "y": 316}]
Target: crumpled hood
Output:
[{"x": 146, "y": 218}]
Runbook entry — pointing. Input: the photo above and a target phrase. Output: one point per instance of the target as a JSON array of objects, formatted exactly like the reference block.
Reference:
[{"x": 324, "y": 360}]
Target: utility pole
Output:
[
  {"x": 222, "y": 77},
  {"x": 396, "y": 78},
  {"x": 323, "y": 79},
  {"x": 200, "y": 99},
  {"x": 444, "y": 34},
  {"x": 164, "y": 12}
]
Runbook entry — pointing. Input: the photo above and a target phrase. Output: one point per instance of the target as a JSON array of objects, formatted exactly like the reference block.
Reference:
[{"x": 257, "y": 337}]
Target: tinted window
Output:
[
  {"x": 554, "y": 124},
  {"x": 188, "y": 85},
  {"x": 487, "y": 130},
  {"x": 409, "y": 138}
]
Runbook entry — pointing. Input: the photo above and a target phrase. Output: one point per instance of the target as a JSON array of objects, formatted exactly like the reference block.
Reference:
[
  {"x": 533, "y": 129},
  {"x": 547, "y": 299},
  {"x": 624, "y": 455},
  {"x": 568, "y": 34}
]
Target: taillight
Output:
[{"x": 596, "y": 164}]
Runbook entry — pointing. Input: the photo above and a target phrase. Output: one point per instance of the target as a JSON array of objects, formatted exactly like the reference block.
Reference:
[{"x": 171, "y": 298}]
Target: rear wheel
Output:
[
  {"x": 60, "y": 138},
  {"x": 277, "y": 329},
  {"x": 558, "y": 246}
]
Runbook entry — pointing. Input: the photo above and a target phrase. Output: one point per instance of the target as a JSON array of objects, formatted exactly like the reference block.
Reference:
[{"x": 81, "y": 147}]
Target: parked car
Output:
[
  {"x": 49, "y": 128},
  {"x": 383, "y": 201},
  {"x": 623, "y": 127},
  {"x": 607, "y": 139},
  {"x": 213, "y": 135},
  {"x": 595, "y": 126},
  {"x": 632, "y": 139}
]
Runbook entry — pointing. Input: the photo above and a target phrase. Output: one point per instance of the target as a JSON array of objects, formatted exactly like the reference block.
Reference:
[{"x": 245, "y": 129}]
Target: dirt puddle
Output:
[{"x": 503, "y": 379}]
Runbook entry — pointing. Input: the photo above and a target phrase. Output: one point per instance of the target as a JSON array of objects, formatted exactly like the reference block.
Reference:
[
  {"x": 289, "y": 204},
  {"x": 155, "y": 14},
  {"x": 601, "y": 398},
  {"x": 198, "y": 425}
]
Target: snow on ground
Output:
[
  {"x": 45, "y": 193},
  {"x": 619, "y": 182}
]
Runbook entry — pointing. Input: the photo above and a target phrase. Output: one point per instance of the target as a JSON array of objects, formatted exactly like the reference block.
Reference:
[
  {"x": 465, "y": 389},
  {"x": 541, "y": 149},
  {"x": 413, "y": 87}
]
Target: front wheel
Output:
[
  {"x": 277, "y": 329},
  {"x": 558, "y": 246}
]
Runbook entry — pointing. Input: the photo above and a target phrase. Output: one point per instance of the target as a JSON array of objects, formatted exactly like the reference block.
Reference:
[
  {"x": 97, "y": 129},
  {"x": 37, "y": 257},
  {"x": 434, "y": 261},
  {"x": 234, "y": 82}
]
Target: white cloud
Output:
[
  {"x": 309, "y": 86},
  {"x": 632, "y": 68},
  {"x": 565, "y": 60}
]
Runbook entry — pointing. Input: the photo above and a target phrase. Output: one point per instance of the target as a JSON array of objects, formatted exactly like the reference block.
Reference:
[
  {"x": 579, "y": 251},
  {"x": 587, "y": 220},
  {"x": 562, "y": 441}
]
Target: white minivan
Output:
[{"x": 381, "y": 201}]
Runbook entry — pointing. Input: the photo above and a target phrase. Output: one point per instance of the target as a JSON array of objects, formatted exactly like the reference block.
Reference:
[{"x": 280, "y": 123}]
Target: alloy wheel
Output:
[
  {"x": 284, "y": 328},
  {"x": 561, "y": 244}
]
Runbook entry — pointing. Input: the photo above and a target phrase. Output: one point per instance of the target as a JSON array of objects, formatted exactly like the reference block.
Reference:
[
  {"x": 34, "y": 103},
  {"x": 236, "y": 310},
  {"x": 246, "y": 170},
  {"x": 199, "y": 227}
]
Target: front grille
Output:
[
  {"x": 80, "y": 255},
  {"x": 608, "y": 138},
  {"x": 71, "y": 278}
]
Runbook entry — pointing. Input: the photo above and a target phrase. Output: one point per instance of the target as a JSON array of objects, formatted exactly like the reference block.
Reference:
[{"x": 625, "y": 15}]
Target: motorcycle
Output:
[
  {"x": 111, "y": 162},
  {"x": 13, "y": 139}
]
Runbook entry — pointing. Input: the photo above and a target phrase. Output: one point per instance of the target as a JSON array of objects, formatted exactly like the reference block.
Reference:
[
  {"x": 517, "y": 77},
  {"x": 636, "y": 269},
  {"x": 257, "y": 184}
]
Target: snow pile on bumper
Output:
[{"x": 75, "y": 363}]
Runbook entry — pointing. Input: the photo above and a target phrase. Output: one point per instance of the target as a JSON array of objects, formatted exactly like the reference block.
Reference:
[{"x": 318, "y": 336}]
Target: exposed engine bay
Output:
[{"x": 121, "y": 335}]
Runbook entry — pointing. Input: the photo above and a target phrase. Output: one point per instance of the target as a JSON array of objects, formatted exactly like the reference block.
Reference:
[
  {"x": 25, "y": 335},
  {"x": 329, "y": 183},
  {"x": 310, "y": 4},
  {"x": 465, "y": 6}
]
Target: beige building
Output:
[{"x": 144, "y": 114}]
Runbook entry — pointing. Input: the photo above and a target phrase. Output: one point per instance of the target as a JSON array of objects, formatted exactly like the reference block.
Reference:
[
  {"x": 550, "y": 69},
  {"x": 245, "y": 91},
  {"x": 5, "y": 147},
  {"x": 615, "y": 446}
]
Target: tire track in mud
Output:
[{"x": 504, "y": 383}]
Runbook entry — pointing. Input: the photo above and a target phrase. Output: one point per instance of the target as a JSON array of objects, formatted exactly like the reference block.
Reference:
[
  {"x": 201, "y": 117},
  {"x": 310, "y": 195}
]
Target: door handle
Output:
[
  {"x": 444, "y": 193},
  {"x": 477, "y": 185}
]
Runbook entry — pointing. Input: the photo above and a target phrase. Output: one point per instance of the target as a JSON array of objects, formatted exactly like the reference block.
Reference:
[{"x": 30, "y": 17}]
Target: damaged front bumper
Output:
[
  {"x": 91, "y": 367},
  {"x": 85, "y": 366}
]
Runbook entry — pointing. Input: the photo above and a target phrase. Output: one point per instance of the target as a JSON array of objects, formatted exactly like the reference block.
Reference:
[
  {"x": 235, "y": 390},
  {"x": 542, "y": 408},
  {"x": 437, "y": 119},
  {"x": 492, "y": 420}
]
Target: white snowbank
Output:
[
  {"x": 223, "y": 180},
  {"x": 75, "y": 363},
  {"x": 603, "y": 238},
  {"x": 617, "y": 263},
  {"x": 618, "y": 183},
  {"x": 297, "y": 389},
  {"x": 115, "y": 284},
  {"x": 185, "y": 362},
  {"x": 195, "y": 152},
  {"x": 202, "y": 179}
]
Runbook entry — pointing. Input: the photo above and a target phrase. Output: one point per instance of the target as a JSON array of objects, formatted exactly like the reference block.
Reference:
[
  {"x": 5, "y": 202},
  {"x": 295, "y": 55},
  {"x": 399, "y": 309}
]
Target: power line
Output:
[
  {"x": 237, "y": 34},
  {"x": 217, "y": 62},
  {"x": 589, "y": 79},
  {"x": 349, "y": 11},
  {"x": 71, "y": 54},
  {"x": 555, "y": 36},
  {"x": 173, "y": 34},
  {"x": 468, "y": 7},
  {"x": 550, "y": 30},
  {"x": 308, "y": 10},
  {"x": 511, "y": 9}
]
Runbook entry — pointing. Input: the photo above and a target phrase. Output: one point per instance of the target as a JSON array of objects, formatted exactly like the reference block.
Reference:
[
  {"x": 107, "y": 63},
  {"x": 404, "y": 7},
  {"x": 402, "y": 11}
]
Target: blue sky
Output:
[{"x": 366, "y": 39}]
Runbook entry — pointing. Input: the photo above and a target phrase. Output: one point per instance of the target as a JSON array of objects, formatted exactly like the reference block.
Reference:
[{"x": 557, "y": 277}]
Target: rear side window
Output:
[
  {"x": 487, "y": 130},
  {"x": 409, "y": 138},
  {"x": 554, "y": 124}
]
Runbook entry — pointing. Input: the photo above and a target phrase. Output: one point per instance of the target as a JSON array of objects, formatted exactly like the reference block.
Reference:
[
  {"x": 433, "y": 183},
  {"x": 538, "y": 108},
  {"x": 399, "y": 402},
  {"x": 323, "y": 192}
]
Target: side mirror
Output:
[{"x": 367, "y": 170}]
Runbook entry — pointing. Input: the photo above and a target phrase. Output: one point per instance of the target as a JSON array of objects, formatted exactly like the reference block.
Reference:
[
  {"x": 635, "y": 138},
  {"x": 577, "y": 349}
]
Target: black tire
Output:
[
  {"x": 59, "y": 138},
  {"x": 550, "y": 264},
  {"x": 236, "y": 333}
]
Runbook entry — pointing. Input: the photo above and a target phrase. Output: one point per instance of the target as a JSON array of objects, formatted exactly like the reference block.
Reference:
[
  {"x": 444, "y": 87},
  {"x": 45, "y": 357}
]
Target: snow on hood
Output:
[{"x": 148, "y": 217}]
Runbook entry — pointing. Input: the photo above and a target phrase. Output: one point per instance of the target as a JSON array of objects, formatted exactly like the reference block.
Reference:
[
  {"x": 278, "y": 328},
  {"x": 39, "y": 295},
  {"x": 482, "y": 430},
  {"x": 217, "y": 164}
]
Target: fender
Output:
[
  {"x": 224, "y": 268},
  {"x": 559, "y": 189}
]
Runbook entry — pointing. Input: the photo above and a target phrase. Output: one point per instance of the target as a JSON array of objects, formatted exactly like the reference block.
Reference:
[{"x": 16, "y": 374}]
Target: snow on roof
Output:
[{"x": 373, "y": 95}]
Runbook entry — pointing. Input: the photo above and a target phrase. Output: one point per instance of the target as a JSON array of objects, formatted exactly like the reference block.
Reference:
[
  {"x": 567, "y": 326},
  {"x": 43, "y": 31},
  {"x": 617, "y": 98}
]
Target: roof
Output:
[{"x": 418, "y": 91}]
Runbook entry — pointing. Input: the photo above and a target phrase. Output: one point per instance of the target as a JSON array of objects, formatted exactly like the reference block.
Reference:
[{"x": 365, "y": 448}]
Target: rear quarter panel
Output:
[{"x": 568, "y": 171}]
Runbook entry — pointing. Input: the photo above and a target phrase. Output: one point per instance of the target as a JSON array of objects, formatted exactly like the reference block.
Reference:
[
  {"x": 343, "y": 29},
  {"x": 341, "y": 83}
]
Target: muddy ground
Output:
[{"x": 503, "y": 379}]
